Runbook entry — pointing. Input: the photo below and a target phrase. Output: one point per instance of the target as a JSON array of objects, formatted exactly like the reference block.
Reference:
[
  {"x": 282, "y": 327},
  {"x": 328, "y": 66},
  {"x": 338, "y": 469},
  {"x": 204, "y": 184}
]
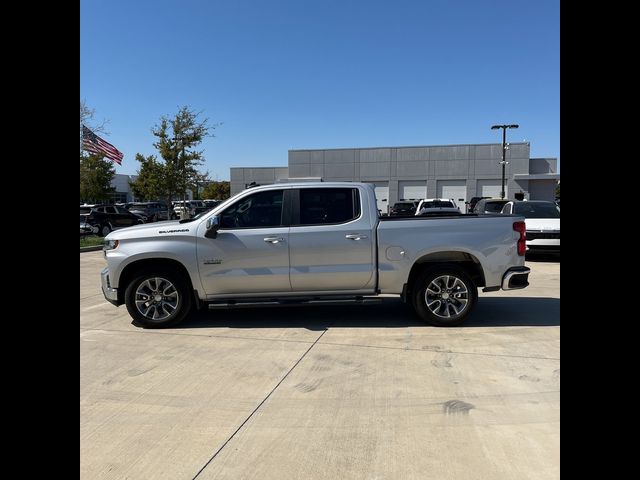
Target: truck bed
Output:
[{"x": 485, "y": 239}]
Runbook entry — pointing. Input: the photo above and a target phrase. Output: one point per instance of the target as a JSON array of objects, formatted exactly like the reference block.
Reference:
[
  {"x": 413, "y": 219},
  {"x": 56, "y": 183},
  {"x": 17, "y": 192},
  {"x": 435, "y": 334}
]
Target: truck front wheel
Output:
[
  {"x": 158, "y": 298},
  {"x": 444, "y": 295}
]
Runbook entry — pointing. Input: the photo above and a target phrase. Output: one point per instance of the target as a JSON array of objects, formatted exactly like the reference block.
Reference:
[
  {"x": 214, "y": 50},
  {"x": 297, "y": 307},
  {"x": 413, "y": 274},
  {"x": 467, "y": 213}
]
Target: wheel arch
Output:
[
  {"x": 134, "y": 268},
  {"x": 468, "y": 262}
]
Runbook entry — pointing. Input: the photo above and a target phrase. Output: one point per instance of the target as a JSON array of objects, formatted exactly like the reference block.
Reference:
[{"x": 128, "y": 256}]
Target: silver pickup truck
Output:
[{"x": 311, "y": 242}]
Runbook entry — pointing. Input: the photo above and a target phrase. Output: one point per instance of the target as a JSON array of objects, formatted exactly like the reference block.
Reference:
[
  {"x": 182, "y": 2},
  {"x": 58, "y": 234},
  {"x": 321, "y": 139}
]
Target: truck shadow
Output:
[{"x": 392, "y": 313}]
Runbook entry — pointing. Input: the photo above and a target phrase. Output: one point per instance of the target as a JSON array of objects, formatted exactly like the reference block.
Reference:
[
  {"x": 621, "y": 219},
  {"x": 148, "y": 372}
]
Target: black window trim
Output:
[{"x": 295, "y": 217}]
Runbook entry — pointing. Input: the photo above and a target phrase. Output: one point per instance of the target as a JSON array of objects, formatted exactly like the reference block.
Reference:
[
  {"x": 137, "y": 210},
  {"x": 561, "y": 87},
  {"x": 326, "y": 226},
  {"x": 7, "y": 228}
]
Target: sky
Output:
[{"x": 278, "y": 75}]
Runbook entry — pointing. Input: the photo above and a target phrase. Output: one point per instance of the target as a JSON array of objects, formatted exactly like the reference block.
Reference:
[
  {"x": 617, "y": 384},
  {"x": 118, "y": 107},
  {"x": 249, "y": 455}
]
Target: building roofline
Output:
[
  {"x": 255, "y": 168},
  {"x": 406, "y": 146},
  {"x": 536, "y": 176}
]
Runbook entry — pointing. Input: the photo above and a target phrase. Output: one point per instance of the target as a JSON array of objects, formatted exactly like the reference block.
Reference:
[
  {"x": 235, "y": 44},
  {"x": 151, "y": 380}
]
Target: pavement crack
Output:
[{"x": 258, "y": 407}]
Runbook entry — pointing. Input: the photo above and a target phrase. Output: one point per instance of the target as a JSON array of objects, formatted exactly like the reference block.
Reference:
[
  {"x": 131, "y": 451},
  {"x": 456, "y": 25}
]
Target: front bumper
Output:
[
  {"x": 111, "y": 294},
  {"x": 515, "y": 278}
]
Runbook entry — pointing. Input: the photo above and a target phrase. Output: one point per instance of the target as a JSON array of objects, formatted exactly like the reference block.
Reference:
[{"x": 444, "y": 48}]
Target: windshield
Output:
[
  {"x": 437, "y": 204},
  {"x": 537, "y": 209}
]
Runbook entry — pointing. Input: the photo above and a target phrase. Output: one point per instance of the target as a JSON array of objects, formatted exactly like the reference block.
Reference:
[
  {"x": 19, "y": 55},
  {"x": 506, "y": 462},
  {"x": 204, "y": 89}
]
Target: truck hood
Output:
[
  {"x": 542, "y": 223},
  {"x": 156, "y": 229}
]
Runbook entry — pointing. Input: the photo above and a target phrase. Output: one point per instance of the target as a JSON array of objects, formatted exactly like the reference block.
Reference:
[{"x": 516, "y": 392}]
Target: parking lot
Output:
[{"x": 350, "y": 392}]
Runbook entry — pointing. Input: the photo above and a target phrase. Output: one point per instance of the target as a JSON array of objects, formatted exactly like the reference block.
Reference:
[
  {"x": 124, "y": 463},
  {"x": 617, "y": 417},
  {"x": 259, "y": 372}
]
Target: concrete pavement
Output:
[{"x": 355, "y": 392}]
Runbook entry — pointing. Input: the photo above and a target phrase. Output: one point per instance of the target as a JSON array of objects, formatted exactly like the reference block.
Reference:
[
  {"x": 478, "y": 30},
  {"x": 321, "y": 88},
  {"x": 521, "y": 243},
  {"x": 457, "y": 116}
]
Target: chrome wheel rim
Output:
[
  {"x": 446, "y": 296},
  {"x": 157, "y": 298}
]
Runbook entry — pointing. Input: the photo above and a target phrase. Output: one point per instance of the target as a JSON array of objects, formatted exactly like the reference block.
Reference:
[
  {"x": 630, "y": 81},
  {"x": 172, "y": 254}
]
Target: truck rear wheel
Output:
[
  {"x": 158, "y": 298},
  {"x": 444, "y": 295}
]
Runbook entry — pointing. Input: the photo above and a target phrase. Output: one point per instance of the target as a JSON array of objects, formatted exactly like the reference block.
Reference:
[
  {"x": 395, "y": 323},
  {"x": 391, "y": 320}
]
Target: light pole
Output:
[
  {"x": 184, "y": 212},
  {"x": 504, "y": 149}
]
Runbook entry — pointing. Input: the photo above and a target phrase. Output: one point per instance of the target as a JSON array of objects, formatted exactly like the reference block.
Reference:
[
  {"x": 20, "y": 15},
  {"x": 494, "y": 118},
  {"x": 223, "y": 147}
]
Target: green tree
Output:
[
  {"x": 96, "y": 175},
  {"x": 217, "y": 190},
  {"x": 151, "y": 182},
  {"x": 178, "y": 138}
]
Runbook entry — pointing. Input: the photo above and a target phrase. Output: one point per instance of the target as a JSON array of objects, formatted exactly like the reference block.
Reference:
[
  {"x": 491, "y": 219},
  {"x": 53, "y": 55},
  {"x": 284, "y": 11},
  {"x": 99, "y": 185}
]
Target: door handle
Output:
[
  {"x": 274, "y": 239},
  {"x": 354, "y": 236}
]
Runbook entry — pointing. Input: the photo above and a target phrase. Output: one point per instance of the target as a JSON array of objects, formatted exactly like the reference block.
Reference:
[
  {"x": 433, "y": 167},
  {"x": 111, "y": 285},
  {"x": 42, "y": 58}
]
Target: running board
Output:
[{"x": 294, "y": 302}]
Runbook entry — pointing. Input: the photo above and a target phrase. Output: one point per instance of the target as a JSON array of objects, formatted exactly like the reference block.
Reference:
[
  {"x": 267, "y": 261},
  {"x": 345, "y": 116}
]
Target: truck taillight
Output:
[{"x": 521, "y": 228}]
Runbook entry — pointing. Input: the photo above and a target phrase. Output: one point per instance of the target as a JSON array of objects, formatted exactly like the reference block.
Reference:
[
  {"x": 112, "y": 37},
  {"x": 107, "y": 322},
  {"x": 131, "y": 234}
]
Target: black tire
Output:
[
  {"x": 179, "y": 311},
  {"x": 105, "y": 230},
  {"x": 461, "y": 295}
]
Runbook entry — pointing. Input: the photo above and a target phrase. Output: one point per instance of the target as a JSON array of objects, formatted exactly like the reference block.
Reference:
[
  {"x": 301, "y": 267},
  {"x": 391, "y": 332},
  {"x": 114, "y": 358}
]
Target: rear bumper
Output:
[
  {"x": 515, "y": 278},
  {"x": 111, "y": 294}
]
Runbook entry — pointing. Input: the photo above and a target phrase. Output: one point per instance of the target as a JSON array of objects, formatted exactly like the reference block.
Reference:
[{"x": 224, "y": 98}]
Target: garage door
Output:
[
  {"x": 491, "y": 188},
  {"x": 456, "y": 189},
  {"x": 412, "y": 190},
  {"x": 382, "y": 195}
]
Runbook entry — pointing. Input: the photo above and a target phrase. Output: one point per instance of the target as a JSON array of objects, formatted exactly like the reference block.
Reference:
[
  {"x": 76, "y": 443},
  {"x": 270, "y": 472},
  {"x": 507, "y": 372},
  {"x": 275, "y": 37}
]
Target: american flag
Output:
[{"x": 94, "y": 144}]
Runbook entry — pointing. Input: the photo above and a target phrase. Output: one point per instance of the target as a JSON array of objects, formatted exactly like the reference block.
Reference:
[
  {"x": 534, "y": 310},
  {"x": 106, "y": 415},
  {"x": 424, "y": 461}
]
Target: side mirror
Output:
[{"x": 212, "y": 227}]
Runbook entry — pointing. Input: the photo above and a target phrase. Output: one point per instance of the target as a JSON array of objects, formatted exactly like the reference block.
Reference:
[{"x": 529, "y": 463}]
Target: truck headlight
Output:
[{"x": 111, "y": 244}]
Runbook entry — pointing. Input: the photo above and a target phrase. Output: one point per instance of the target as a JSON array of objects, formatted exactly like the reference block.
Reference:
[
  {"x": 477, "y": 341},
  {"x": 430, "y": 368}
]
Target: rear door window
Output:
[{"x": 324, "y": 206}]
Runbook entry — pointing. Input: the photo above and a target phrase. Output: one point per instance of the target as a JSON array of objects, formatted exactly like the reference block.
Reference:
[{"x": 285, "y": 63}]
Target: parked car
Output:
[
  {"x": 490, "y": 205},
  {"x": 437, "y": 206},
  {"x": 471, "y": 204},
  {"x": 403, "y": 208},
  {"x": 310, "y": 242},
  {"x": 194, "y": 207},
  {"x": 211, "y": 203},
  {"x": 85, "y": 227},
  {"x": 199, "y": 206},
  {"x": 543, "y": 223},
  {"x": 153, "y": 211},
  {"x": 109, "y": 217},
  {"x": 86, "y": 208}
]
